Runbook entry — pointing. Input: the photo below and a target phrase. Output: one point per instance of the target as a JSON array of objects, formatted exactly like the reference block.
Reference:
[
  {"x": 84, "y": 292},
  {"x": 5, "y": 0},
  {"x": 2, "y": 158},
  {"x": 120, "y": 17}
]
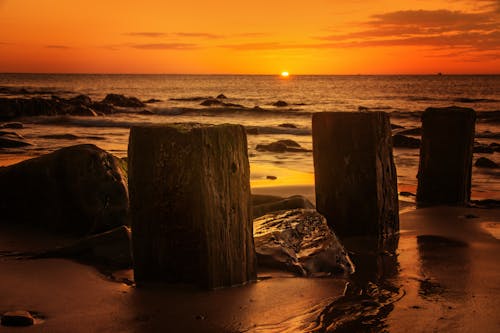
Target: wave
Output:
[{"x": 12, "y": 90}]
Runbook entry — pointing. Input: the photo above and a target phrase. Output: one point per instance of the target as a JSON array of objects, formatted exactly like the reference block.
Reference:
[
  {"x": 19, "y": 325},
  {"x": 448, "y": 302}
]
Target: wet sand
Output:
[{"x": 445, "y": 277}]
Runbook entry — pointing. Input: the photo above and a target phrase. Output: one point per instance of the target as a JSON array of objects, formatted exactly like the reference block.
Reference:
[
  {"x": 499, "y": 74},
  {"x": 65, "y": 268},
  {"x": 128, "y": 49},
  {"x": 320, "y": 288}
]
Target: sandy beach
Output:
[{"x": 443, "y": 278}]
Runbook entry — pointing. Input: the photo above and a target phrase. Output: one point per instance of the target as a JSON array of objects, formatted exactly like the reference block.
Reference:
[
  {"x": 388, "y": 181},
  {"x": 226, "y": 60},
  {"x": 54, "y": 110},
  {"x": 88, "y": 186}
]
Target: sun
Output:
[{"x": 285, "y": 74}]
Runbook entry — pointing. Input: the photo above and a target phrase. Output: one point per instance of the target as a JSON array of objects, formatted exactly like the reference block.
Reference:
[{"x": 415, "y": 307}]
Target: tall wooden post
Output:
[
  {"x": 355, "y": 176},
  {"x": 190, "y": 204},
  {"x": 445, "y": 169}
]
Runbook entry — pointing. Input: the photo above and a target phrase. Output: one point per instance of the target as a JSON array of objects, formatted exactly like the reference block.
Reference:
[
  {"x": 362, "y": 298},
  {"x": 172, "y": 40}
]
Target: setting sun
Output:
[{"x": 284, "y": 74}]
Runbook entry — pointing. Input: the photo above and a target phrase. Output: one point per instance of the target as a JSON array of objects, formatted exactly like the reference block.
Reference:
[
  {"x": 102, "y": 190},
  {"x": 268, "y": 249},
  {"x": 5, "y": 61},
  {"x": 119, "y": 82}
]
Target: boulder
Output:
[
  {"x": 280, "y": 104},
  {"x": 17, "y": 318},
  {"x": 13, "y": 125},
  {"x": 301, "y": 242},
  {"x": 221, "y": 96},
  {"x": 401, "y": 141},
  {"x": 211, "y": 102},
  {"x": 123, "y": 101},
  {"x": 152, "y": 100},
  {"x": 82, "y": 111},
  {"x": 287, "y": 125},
  {"x": 80, "y": 100},
  {"x": 484, "y": 162},
  {"x": 12, "y": 140},
  {"x": 282, "y": 146},
  {"x": 78, "y": 189}
]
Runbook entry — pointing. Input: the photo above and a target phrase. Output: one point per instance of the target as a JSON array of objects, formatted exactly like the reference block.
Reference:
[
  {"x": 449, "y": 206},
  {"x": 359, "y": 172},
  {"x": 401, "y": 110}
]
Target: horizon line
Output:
[{"x": 252, "y": 74}]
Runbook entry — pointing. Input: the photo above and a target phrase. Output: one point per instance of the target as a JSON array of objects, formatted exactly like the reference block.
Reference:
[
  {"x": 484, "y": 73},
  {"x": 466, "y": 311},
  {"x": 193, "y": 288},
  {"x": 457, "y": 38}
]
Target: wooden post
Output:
[
  {"x": 190, "y": 204},
  {"x": 444, "y": 174},
  {"x": 356, "y": 183}
]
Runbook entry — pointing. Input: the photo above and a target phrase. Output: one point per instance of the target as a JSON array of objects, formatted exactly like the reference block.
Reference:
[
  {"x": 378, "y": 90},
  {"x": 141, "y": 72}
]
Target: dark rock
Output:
[
  {"x": 282, "y": 146},
  {"x": 280, "y": 104},
  {"x": 271, "y": 177},
  {"x": 211, "y": 102},
  {"x": 221, "y": 96},
  {"x": 484, "y": 162},
  {"x": 17, "y": 318},
  {"x": 81, "y": 100},
  {"x": 145, "y": 112},
  {"x": 263, "y": 205},
  {"x": 495, "y": 146},
  {"x": 190, "y": 204},
  {"x": 401, "y": 141},
  {"x": 12, "y": 140},
  {"x": 252, "y": 130},
  {"x": 110, "y": 249},
  {"x": 82, "y": 111},
  {"x": 445, "y": 168},
  {"x": 14, "y": 125},
  {"x": 299, "y": 241},
  {"x": 482, "y": 149},
  {"x": 103, "y": 107},
  {"x": 152, "y": 100},
  {"x": 11, "y": 108},
  {"x": 79, "y": 189},
  {"x": 355, "y": 175},
  {"x": 485, "y": 203},
  {"x": 407, "y": 194},
  {"x": 287, "y": 125},
  {"x": 411, "y": 131},
  {"x": 123, "y": 101},
  {"x": 396, "y": 126},
  {"x": 488, "y": 135},
  {"x": 470, "y": 100}
]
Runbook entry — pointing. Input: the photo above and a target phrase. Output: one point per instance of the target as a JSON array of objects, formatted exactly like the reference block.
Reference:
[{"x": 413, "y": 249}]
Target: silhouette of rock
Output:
[
  {"x": 480, "y": 148},
  {"x": 484, "y": 162},
  {"x": 211, "y": 102},
  {"x": 78, "y": 189},
  {"x": 17, "y": 318},
  {"x": 282, "y": 146},
  {"x": 14, "y": 125},
  {"x": 221, "y": 96},
  {"x": 402, "y": 141},
  {"x": 12, "y": 140},
  {"x": 123, "y": 101},
  {"x": 280, "y": 103},
  {"x": 80, "y": 100},
  {"x": 152, "y": 100},
  {"x": 287, "y": 125}
]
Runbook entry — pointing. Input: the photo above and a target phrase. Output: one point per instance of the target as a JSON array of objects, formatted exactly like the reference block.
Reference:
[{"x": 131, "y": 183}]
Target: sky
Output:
[{"x": 250, "y": 37}]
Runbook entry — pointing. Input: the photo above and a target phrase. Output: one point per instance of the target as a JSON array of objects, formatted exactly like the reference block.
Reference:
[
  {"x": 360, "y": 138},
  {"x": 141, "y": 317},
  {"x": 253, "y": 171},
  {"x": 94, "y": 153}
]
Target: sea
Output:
[{"x": 179, "y": 97}]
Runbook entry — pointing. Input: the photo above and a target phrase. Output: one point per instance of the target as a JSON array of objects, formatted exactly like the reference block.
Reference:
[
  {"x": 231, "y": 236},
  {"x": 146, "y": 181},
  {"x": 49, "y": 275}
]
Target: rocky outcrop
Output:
[
  {"x": 12, "y": 140},
  {"x": 280, "y": 104},
  {"x": 282, "y": 146},
  {"x": 123, "y": 101},
  {"x": 17, "y": 318},
  {"x": 301, "y": 242},
  {"x": 79, "y": 189},
  {"x": 484, "y": 162},
  {"x": 402, "y": 141}
]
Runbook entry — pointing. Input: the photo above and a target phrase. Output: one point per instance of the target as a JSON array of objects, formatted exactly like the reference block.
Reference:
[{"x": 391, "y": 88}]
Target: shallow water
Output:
[{"x": 180, "y": 96}]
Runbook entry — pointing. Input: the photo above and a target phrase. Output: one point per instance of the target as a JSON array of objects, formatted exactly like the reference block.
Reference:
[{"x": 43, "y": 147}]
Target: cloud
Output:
[
  {"x": 165, "y": 46},
  {"x": 153, "y": 34}
]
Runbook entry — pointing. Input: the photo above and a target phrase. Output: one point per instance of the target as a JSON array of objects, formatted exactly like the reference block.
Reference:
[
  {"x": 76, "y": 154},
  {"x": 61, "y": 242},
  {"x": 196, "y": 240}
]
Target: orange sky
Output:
[{"x": 254, "y": 37}]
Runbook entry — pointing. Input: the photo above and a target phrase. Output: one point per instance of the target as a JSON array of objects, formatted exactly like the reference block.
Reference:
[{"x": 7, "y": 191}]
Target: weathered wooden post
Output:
[
  {"x": 444, "y": 173},
  {"x": 190, "y": 204},
  {"x": 355, "y": 176}
]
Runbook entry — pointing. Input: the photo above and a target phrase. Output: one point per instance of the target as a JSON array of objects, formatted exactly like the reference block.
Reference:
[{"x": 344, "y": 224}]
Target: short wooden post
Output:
[
  {"x": 355, "y": 176},
  {"x": 190, "y": 205},
  {"x": 444, "y": 174}
]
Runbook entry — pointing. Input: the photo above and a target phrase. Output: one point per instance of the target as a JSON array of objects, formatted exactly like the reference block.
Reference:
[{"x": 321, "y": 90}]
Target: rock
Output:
[
  {"x": 282, "y": 146},
  {"x": 145, "y": 112},
  {"x": 12, "y": 140},
  {"x": 407, "y": 194},
  {"x": 396, "y": 126},
  {"x": 355, "y": 175},
  {"x": 110, "y": 249},
  {"x": 152, "y": 100},
  {"x": 271, "y": 177},
  {"x": 484, "y": 162},
  {"x": 82, "y": 111},
  {"x": 482, "y": 149},
  {"x": 14, "y": 125},
  {"x": 221, "y": 96},
  {"x": 445, "y": 168},
  {"x": 401, "y": 141},
  {"x": 123, "y": 101},
  {"x": 280, "y": 104},
  {"x": 211, "y": 102},
  {"x": 299, "y": 241},
  {"x": 17, "y": 318},
  {"x": 190, "y": 204},
  {"x": 81, "y": 100},
  {"x": 287, "y": 125},
  {"x": 79, "y": 189},
  {"x": 411, "y": 131},
  {"x": 103, "y": 107},
  {"x": 277, "y": 203},
  {"x": 11, "y": 108},
  {"x": 495, "y": 146}
]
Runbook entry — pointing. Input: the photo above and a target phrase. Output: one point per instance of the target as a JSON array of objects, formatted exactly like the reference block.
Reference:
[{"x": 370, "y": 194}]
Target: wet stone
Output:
[{"x": 17, "y": 318}]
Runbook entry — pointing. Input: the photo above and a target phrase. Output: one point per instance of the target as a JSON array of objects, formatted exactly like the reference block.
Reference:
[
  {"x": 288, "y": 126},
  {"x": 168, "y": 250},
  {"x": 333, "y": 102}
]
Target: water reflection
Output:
[{"x": 370, "y": 292}]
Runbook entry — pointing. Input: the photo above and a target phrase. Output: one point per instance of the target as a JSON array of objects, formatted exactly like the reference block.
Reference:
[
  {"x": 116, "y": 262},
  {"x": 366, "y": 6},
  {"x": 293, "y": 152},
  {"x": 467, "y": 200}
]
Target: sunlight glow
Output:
[{"x": 284, "y": 74}]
